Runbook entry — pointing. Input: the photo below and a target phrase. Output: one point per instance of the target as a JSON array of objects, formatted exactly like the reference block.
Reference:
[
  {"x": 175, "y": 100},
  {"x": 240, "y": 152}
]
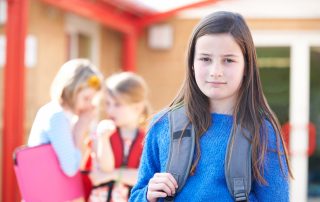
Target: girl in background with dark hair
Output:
[{"x": 222, "y": 89}]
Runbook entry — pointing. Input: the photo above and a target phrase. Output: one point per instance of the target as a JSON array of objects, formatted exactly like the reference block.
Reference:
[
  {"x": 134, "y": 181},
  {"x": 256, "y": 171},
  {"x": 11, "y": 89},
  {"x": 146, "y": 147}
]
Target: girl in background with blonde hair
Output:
[
  {"x": 119, "y": 138},
  {"x": 66, "y": 118}
]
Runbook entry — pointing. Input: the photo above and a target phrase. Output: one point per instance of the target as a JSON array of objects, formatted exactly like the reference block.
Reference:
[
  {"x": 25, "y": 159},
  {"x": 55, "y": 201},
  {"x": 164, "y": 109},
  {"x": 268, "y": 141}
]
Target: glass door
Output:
[{"x": 314, "y": 159}]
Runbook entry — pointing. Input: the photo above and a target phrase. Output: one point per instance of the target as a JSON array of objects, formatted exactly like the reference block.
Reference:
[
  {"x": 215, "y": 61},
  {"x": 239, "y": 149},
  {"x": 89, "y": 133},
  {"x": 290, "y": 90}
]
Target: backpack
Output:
[{"x": 237, "y": 160}]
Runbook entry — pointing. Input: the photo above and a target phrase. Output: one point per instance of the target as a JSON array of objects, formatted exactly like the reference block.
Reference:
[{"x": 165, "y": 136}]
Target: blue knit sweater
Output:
[{"x": 208, "y": 183}]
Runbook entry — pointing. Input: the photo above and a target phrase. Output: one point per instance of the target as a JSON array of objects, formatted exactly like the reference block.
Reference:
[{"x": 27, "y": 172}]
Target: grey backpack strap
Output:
[
  {"x": 238, "y": 165},
  {"x": 181, "y": 147}
]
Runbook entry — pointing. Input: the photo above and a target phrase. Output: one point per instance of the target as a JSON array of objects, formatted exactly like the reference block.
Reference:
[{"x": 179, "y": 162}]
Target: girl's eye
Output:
[
  {"x": 205, "y": 59},
  {"x": 85, "y": 99},
  {"x": 117, "y": 104},
  {"x": 228, "y": 60}
]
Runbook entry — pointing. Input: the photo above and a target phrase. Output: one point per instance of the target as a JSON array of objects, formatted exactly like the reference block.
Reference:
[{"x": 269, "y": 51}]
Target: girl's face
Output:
[
  {"x": 84, "y": 100},
  {"x": 123, "y": 114},
  {"x": 219, "y": 69}
]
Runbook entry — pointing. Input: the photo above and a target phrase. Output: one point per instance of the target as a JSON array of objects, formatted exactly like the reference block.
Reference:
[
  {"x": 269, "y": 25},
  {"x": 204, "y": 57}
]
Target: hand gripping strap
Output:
[
  {"x": 181, "y": 148},
  {"x": 238, "y": 165}
]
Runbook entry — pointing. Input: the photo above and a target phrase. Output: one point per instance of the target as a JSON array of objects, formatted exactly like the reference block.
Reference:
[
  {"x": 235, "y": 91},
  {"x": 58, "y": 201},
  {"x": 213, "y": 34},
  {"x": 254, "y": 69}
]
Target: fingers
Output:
[
  {"x": 106, "y": 127},
  {"x": 171, "y": 178},
  {"x": 154, "y": 195},
  {"x": 161, "y": 185},
  {"x": 166, "y": 178}
]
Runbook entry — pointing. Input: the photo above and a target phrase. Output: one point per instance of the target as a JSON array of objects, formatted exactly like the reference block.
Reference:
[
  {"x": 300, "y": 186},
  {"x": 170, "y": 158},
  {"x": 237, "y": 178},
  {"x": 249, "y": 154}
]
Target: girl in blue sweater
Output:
[{"x": 222, "y": 89}]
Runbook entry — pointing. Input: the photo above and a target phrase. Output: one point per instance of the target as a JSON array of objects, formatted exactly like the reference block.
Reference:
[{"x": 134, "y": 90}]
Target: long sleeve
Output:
[
  {"x": 51, "y": 125},
  {"x": 277, "y": 188},
  {"x": 149, "y": 164},
  {"x": 61, "y": 139}
]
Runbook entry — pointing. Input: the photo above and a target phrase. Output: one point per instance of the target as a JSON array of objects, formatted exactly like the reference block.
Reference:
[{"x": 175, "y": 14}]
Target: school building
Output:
[{"x": 151, "y": 38}]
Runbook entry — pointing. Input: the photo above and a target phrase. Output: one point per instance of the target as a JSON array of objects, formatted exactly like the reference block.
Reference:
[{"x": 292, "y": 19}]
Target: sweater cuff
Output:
[{"x": 145, "y": 193}]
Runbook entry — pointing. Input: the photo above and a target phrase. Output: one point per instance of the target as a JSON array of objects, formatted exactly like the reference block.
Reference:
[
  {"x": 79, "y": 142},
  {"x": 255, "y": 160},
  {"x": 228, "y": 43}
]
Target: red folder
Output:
[{"x": 40, "y": 177}]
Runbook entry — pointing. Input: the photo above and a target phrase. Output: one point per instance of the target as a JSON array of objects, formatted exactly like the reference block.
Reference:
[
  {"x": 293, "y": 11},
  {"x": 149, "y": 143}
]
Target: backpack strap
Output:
[
  {"x": 181, "y": 149},
  {"x": 181, "y": 152},
  {"x": 238, "y": 165}
]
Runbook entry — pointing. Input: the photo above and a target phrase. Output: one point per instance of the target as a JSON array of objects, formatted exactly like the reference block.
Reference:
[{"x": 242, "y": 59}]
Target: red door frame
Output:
[{"x": 14, "y": 78}]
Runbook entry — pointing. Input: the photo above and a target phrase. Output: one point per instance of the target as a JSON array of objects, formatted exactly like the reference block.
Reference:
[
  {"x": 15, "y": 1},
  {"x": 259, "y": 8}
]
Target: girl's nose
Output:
[
  {"x": 109, "y": 110},
  {"x": 216, "y": 69}
]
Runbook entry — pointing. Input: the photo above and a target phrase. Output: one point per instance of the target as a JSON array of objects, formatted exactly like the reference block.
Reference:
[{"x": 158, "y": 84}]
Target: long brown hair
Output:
[{"x": 251, "y": 109}]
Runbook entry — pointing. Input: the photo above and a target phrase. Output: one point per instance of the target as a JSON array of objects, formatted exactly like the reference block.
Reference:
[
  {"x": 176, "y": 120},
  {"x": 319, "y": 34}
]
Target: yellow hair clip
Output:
[{"x": 94, "y": 82}]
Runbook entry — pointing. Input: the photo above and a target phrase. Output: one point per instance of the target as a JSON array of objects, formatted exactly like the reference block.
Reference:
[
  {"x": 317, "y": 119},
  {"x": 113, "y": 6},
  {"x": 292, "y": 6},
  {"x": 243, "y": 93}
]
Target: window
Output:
[
  {"x": 274, "y": 65},
  {"x": 3, "y": 12},
  {"x": 314, "y": 166},
  {"x": 82, "y": 38}
]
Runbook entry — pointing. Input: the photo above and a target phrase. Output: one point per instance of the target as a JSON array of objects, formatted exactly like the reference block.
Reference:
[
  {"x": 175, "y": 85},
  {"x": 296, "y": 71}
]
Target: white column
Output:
[{"x": 299, "y": 118}]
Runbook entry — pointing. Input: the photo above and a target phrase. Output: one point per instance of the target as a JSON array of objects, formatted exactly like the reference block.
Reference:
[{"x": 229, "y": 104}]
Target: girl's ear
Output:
[{"x": 139, "y": 107}]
